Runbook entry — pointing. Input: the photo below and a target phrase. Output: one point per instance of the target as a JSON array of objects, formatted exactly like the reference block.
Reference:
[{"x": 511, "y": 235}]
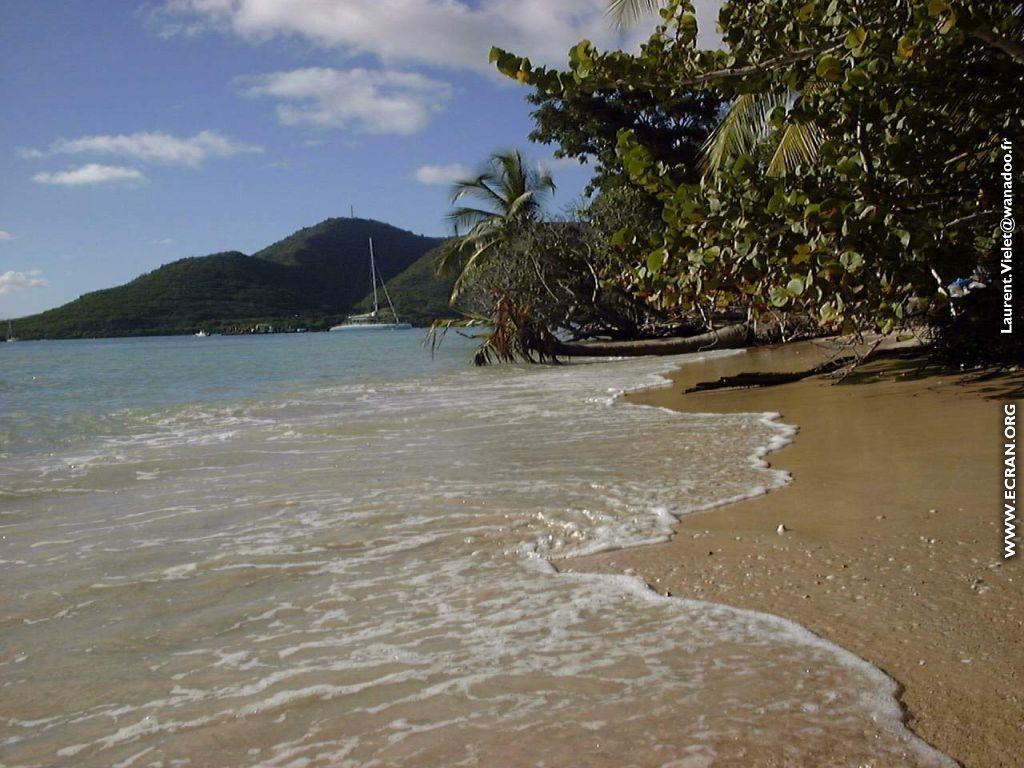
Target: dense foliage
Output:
[
  {"x": 529, "y": 279},
  {"x": 583, "y": 113},
  {"x": 308, "y": 280},
  {"x": 866, "y": 184}
]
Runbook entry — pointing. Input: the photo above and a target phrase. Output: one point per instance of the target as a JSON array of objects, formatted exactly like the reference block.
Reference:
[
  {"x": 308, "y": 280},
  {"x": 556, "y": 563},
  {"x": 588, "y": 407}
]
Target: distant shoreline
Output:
[
  {"x": 891, "y": 547},
  {"x": 185, "y": 334}
]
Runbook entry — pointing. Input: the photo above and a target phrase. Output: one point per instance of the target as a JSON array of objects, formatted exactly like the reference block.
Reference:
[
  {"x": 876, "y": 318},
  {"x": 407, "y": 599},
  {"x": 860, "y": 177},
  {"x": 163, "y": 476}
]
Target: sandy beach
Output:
[{"x": 893, "y": 547}]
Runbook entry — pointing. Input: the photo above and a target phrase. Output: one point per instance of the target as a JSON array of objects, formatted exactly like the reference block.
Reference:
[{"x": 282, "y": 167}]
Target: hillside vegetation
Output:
[
  {"x": 420, "y": 295},
  {"x": 311, "y": 279}
]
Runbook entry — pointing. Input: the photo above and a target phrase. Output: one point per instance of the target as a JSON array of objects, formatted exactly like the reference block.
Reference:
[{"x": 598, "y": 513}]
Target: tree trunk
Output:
[{"x": 730, "y": 337}]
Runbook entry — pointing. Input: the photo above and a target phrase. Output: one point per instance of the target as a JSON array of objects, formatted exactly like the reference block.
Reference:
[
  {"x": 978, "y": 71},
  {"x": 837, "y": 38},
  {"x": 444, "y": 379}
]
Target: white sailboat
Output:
[
  {"x": 10, "y": 332},
  {"x": 371, "y": 321}
]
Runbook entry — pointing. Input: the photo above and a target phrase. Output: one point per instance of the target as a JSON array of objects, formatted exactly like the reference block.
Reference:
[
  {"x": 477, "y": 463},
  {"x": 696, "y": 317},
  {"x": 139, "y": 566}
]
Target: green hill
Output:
[
  {"x": 331, "y": 261},
  {"x": 311, "y": 279},
  {"x": 176, "y": 298}
]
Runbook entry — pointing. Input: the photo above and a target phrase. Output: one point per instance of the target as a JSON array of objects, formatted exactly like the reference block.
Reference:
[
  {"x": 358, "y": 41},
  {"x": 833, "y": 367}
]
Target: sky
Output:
[{"x": 138, "y": 133}]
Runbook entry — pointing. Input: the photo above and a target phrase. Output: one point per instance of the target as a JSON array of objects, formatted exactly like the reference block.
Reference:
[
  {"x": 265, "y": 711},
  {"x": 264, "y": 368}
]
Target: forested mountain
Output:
[
  {"x": 310, "y": 279},
  {"x": 330, "y": 262}
]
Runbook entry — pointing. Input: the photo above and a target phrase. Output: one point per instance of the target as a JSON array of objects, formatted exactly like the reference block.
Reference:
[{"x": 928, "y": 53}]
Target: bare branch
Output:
[{"x": 1011, "y": 48}]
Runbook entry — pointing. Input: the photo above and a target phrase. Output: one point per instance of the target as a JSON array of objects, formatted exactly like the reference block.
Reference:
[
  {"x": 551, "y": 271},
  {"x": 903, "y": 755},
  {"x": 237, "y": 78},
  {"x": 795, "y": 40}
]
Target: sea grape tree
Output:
[{"x": 863, "y": 225}]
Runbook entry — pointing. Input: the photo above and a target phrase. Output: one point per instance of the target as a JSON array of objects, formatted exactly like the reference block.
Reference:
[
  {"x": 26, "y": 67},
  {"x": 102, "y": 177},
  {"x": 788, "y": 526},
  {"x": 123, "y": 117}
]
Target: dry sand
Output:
[{"x": 894, "y": 547}]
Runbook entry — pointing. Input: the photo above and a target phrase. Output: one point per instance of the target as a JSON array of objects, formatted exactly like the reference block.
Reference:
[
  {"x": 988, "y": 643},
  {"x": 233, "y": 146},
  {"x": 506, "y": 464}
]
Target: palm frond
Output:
[
  {"x": 481, "y": 187},
  {"x": 476, "y": 260},
  {"x": 449, "y": 257},
  {"x": 469, "y": 186},
  {"x": 627, "y": 12},
  {"x": 513, "y": 172},
  {"x": 798, "y": 144},
  {"x": 744, "y": 125},
  {"x": 466, "y": 218},
  {"x": 526, "y": 206}
]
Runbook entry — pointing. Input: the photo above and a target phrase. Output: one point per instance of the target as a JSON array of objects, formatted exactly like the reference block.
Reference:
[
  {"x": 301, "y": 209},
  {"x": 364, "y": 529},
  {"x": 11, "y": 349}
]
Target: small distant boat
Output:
[
  {"x": 372, "y": 321},
  {"x": 201, "y": 334},
  {"x": 10, "y": 332}
]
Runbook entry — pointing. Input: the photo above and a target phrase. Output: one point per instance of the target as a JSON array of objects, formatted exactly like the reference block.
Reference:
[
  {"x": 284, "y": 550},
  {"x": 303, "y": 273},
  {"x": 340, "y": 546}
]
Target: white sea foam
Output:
[{"x": 359, "y": 575}]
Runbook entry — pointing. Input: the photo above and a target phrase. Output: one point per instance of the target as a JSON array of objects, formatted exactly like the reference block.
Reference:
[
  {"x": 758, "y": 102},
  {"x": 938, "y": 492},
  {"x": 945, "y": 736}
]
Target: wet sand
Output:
[{"x": 894, "y": 540}]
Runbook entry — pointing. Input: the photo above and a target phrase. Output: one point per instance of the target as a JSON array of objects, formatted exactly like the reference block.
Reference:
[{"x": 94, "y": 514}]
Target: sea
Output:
[{"x": 337, "y": 550}]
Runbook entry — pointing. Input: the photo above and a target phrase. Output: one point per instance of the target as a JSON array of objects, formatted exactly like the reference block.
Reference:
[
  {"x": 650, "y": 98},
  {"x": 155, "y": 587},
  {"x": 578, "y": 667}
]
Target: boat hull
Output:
[{"x": 373, "y": 327}]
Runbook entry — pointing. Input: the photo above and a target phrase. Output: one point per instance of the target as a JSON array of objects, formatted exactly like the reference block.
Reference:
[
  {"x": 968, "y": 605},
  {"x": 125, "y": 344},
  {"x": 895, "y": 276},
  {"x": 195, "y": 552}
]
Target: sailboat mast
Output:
[{"x": 373, "y": 279}]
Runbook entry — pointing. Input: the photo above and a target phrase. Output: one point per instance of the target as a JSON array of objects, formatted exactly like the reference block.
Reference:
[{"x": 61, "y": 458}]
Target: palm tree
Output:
[
  {"x": 507, "y": 194},
  {"x": 491, "y": 217}
]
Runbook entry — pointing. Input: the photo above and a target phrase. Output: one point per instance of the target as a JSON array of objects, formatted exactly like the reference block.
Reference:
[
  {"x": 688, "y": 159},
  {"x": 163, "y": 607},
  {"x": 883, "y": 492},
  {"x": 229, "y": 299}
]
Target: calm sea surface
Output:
[{"x": 332, "y": 550}]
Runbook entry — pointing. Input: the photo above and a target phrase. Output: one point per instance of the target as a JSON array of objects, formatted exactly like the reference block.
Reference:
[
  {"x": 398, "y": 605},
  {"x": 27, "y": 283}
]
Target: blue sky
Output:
[{"x": 138, "y": 133}]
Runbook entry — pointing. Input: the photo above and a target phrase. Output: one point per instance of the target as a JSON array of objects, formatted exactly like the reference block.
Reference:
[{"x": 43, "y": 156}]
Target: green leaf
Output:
[
  {"x": 855, "y": 40},
  {"x": 655, "y": 260},
  {"x": 580, "y": 53},
  {"x": 829, "y": 67},
  {"x": 858, "y": 78},
  {"x": 688, "y": 26},
  {"x": 777, "y": 202},
  {"x": 779, "y": 297},
  {"x": 801, "y": 255},
  {"x": 849, "y": 166},
  {"x": 795, "y": 286},
  {"x": 948, "y": 23},
  {"x": 851, "y": 260}
]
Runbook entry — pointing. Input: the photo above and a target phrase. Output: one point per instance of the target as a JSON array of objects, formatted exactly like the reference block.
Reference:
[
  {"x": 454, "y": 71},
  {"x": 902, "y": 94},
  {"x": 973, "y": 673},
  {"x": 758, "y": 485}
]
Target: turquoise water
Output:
[
  {"x": 334, "y": 550},
  {"x": 55, "y": 391}
]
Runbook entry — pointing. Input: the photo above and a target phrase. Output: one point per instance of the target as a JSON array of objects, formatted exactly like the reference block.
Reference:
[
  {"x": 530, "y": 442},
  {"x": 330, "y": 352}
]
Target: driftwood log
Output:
[
  {"x": 765, "y": 379},
  {"x": 730, "y": 337}
]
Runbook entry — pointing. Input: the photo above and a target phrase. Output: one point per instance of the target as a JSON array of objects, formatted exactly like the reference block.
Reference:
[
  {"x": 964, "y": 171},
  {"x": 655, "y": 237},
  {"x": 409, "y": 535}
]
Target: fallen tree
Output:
[{"x": 730, "y": 337}]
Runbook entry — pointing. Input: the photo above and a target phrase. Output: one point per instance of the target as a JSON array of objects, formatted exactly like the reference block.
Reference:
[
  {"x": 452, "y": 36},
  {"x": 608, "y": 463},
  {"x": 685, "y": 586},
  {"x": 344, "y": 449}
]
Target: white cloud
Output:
[
  {"x": 89, "y": 174},
  {"x": 364, "y": 100},
  {"x": 13, "y": 282},
  {"x": 446, "y": 33},
  {"x": 164, "y": 241},
  {"x": 154, "y": 147},
  {"x": 6, "y": 235},
  {"x": 441, "y": 174}
]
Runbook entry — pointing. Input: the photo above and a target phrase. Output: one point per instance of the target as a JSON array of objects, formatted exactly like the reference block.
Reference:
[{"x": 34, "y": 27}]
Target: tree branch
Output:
[
  {"x": 764, "y": 66},
  {"x": 964, "y": 220},
  {"x": 1011, "y": 48}
]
